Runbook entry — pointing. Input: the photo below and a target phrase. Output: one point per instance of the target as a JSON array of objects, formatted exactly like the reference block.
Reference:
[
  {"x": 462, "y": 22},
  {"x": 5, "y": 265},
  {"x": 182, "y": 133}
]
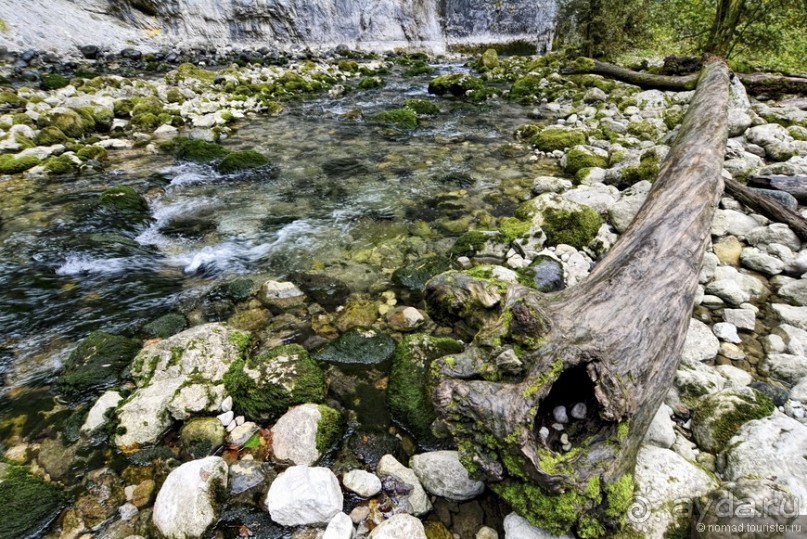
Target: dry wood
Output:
[
  {"x": 613, "y": 342},
  {"x": 768, "y": 207}
]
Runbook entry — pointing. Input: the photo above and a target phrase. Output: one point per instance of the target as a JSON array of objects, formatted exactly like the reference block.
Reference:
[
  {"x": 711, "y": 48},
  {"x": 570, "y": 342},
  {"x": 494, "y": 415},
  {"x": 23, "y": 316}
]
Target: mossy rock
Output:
[
  {"x": 348, "y": 66},
  {"x": 578, "y": 159},
  {"x": 545, "y": 274},
  {"x": 647, "y": 169},
  {"x": 190, "y": 71},
  {"x": 96, "y": 364},
  {"x": 404, "y": 118},
  {"x": 719, "y": 416},
  {"x": 330, "y": 428},
  {"x": 59, "y": 165},
  {"x": 571, "y": 227},
  {"x": 147, "y": 105},
  {"x": 124, "y": 199},
  {"x": 10, "y": 99},
  {"x": 14, "y": 165},
  {"x": 527, "y": 88},
  {"x": 199, "y": 151},
  {"x": 122, "y": 108},
  {"x": 457, "y": 84},
  {"x": 53, "y": 82},
  {"x": 201, "y": 435},
  {"x": 558, "y": 138},
  {"x": 489, "y": 59},
  {"x": 24, "y": 119},
  {"x": 413, "y": 277},
  {"x": 174, "y": 96},
  {"x": 369, "y": 83},
  {"x": 264, "y": 387},
  {"x": 69, "y": 122},
  {"x": 358, "y": 346},
  {"x": 423, "y": 107},
  {"x": 146, "y": 121},
  {"x": 29, "y": 504},
  {"x": 512, "y": 228},
  {"x": 49, "y": 136},
  {"x": 96, "y": 153},
  {"x": 418, "y": 67},
  {"x": 410, "y": 383},
  {"x": 240, "y": 161},
  {"x": 165, "y": 326}
]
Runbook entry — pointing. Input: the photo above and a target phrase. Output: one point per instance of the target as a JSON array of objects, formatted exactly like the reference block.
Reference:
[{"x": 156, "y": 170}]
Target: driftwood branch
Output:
[
  {"x": 755, "y": 83},
  {"x": 612, "y": 343},
  {"x": 768, "y": 207}
]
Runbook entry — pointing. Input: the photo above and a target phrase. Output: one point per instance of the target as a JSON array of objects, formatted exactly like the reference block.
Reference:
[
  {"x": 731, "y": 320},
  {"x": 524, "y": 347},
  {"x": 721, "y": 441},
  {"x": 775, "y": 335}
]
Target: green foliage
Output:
[
  {"x": 404, "y": 118},
  {"x": 14, "y": 165},
  {"x": 29, "y": 504},
  {"x": 575, "y": 228},
  {"x": 199, "y": 151},
  {"x": 557, "y": 138},
  {"x": 239, "y": 161},
  {"x": 601, "y": 29}
]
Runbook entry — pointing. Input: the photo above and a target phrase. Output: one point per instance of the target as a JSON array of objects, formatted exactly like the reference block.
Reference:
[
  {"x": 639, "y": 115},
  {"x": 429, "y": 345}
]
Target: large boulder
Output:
[
  {"x": 442, "y": 474},
  {"x": 303, "y": 496},
  {"x": 187, "y": 503},
  {"x": 718, "y": 417},
  {"x": 176, "y": 378}
]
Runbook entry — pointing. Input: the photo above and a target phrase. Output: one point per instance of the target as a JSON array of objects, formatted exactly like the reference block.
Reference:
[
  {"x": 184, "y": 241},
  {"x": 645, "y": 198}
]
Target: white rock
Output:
[
  {"x": 559, "y": 413},
  {"x": 774, "y": 233},
  {"x": 709, "y": 427},
  {"x": 550, "y": 184},
  {"x": 788, "y": 367},
  {"x": 442, "y": 474},
  {"x": 227, "y": 404},
  {"x": 186, "y": 506},
  {"x": 517, "y": 527},
  {"x": 664, "y": 479},
  {"x": 734, "y": 376},
  {"x": 417, "y": 499},
  {"x": 486, "y": 533},
  {"x": 281, "y": 295},
  {"x": 579, "y": 410},
  {"x": 728, "y": 290},
  {"x": 661, "y": 432},
  {"x": 166, "y": 131},
  {"x": 795, "y": 316},
  {"x": 799, "y": 391},
  {"x": 741, "y": 318},
  {"x": 303, "y": 496},
  {"x": 771, "y": 448},
  {"x": 700, "y": 344},
  {"x": 294, "y": 436},
  {"x": 226, "y": 418},
  {"x": 726, "y": 332},
  {"x": 96, "y": 416},
  {"x": 732, "y": 222},
  {"x": 694, "y": 380},
  {"x": 340, "y": 527},
  {"x": 400, "y": 526},
  {"x": 795, "y": 291},
  {"x": 754, "y": 259},
  {"x": 128, "y": 511},
  {"x": 241, "y": 433},
  {"x": 365, "y": 484},
  {"x": 623, "y": 211}
]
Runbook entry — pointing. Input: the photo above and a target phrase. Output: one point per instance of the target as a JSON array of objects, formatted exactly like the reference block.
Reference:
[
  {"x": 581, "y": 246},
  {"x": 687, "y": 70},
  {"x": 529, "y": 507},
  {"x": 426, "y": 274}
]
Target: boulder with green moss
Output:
[
  {"x": 9, "y": 100},
  {"x": 97, "y": 153},
  {"x": 646, "y": 170},
  {"x": 199, "y": 151},
  {"x": 200, "y": 436},
  {"x": 410, "y": 383},
  {"x": 404, "y": 118},
  {"x": 413, "y": 277},
  {"x": 527, "y": 88},
  {"x": 422, "y": 107},
  {"x": 240, "y": 161},
  {"x": 29, "y": 503},
  {"x": 581, "y": 157},
  {"x": 62, "y": 164},
  {"x": 165, "y": 326},
  {"x": 489, "y": 59},
  {"x": 557, "y": 138},
  {"x": 125, "y": 200},
  {"x": 265, "y": 386},
  {"x": 68, "y": 121},
  {"x": 14, "y": 165},
  {"x": 358, "y": 346},
  {"x": 49, "y": 136},
  {"x": 457, "y": 84},
  {"x": 368, "y": 83},
  {"x": 487, "y": 243},
  {"x": 718, "y": 417},
  {"x": 305, "y": 433},
  {"x": 573, "y": 227},
  {"x": 177, "y": 378}
]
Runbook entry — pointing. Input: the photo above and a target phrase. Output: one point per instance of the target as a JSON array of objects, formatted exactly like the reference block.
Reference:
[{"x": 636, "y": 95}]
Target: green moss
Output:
[
  {"x": 124, "y": 199},
  {"x": 527, "y": 131},
  {"x": 122, "y": 108},
  {"x": 511, "y": 229},
  {"x": 240, "y": 161},
  {"x": 622, "y": 431},
  {"x": 673, "y": 117},
  {"x": 418, "y": 67},
  {"x": 590, "y": 528},
  {"x": 190, "y": 71},
  {"x": 330, "y": 428},
  {"x": 50, "y": 135},
  {"x": 726, "y": 425},
  {"x": 527, "y": 88},
  {"x": 457, "y": 84},
  {"x": 583, "y": 64},
  {"x": 24, "y": 142},
  {"x": 575, "y": 228},
  {"x": 14, "y": 165},
  {"x": 53, "y": 82},
  {"x": 199, "y": 151},
  {"x": 22, "y": 118},
  {"x": 174, "y": 96},
  {"x": 469, "y": 243},
  {"x": 413, "y": 277},
  {"x": 59, "y": 165},
  {"x": 97, "y": 153},
  {"x": 29, "y": 504},
  {"x": 286, "y": 376},
  {"x": 241, "y": 341},
  {"x": 643, "y": 129},
  {"x": 146, "y": 121},
  {"x": 558, "y": 138},
  {"x": 618, "y": 496},
  {"x": 409, "y": 390},
  {"x": 489, "y": 59},
  {"x": 368, "y": 83},
  {"x": 69, "y": 122},
  {"x": 402, "y": 118},
  {"x": 348, "y": 66},
  {"x": 554, "y": 513},
  {"x": 578, "y": 159},
  {"x": 9, "y": 99},
  {"x": 422, "y": 107},
  {"x": 647, "y": 169}
]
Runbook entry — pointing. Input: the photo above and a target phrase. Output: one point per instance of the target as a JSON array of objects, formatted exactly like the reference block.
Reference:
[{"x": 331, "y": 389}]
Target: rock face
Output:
[
  {"x": 303, "y": 496},
  {"x": 186, "y": 503},
  {"x": 372, "y": 24}
]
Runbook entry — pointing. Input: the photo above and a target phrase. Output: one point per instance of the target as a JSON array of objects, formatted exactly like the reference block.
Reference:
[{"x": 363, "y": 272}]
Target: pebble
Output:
[
  {"x": 726, "y": 332},
  {"x": 543, "y": 432},
  {"x": 127, "y": 511},
  {"x": 226, "y": 418},
  {"x": 227, "y": 404},
  {"x": 559, "y": 413},
  {"x": 579, "y": 411},
  {"x": 557, "y": 426}
]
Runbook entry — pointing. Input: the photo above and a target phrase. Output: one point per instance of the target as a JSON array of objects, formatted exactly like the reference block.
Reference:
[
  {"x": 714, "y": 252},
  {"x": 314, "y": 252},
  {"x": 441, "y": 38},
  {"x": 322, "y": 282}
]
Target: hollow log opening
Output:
[{"x": 569, "y": 414}]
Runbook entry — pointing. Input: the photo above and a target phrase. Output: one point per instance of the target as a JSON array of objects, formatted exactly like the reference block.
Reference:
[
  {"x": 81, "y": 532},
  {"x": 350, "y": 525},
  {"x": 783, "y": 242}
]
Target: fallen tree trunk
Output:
[
  {"x": 768, "y": 207},
  {"x": 755, "y": 83},
  {"x": 612, "y": 344}
]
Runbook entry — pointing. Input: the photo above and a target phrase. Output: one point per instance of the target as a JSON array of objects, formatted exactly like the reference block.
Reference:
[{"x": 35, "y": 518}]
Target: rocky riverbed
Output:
[{"x": 286, "y": 396}]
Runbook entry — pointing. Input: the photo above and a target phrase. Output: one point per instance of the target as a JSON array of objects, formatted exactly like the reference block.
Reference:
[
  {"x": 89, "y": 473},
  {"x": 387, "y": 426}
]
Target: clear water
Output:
[{"x": 343, "y": 199}]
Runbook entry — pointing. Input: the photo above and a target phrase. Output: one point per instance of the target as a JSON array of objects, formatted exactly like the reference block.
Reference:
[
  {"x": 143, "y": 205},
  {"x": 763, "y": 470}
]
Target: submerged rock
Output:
[
  {"x": 358, "y": 346},
  {"x": 29, "y": 503}
]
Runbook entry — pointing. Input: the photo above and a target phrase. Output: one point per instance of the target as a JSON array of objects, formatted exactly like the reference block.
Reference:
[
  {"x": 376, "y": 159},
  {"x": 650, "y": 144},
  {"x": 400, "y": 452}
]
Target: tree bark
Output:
[
  {"x": 768, "y": 207},
  {"x": 612, "y": 343},
  {"x": 724, "y": 27},
  {"x": 755, "y": 83}
]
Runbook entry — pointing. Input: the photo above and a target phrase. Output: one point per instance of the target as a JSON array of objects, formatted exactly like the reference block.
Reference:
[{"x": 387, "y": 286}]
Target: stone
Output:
[
  {"x": 281, "y": 295},
  {"x": 241, "y": 433},
  {"x": 664, "y": 480},
  {"x": 517, "y": 527},
  {"x": 795, "y": 316},
  {"x": 358, "y": 346},
  {"x": 661, "y": 432},
  {"x": 486, "y": 533},
  {"x": 799, "y": 391},
  {"x": 718, "y": 417},
  {"x": 303, "y": 496},
  {"x": 788, "y": 367},
  {"x": 625, "y": 209},
  {"x": 733, "y": 222},
  {"x": 728, "y": 250},
  {"x": 795, "y": 292},
  {"x": 295, "y": 435},
  {"x": 340, "y": 527},
  {"x": 741, "y": 318},
  {"x": 695, "y": 380},
  {"x": 771, "y": 448},
  {"x": 442, "y": 474},
  {"x": 194, "y": 484},
  {"x": 700, "y": 344},
  {"x": 96, "y": 417},
  {"x": 550, "y": 184},
  {"x": 416, "y": 500},
  {"x": 726, "y": 332},
  {"x": 559, "y": 414},
  {"x": 729, "y": 290},
  {"x": 774, "y": 233},
  {"x": 734, "y": 376},
  {"x": 579, "y": 410},
  {"x": 201, "y": 435},
  {"x": 754, "y": 259},
  {"x": 405, "y": 319},
  {"x": 400, "y": 526},
  {"x": 363, "y": 483}
]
